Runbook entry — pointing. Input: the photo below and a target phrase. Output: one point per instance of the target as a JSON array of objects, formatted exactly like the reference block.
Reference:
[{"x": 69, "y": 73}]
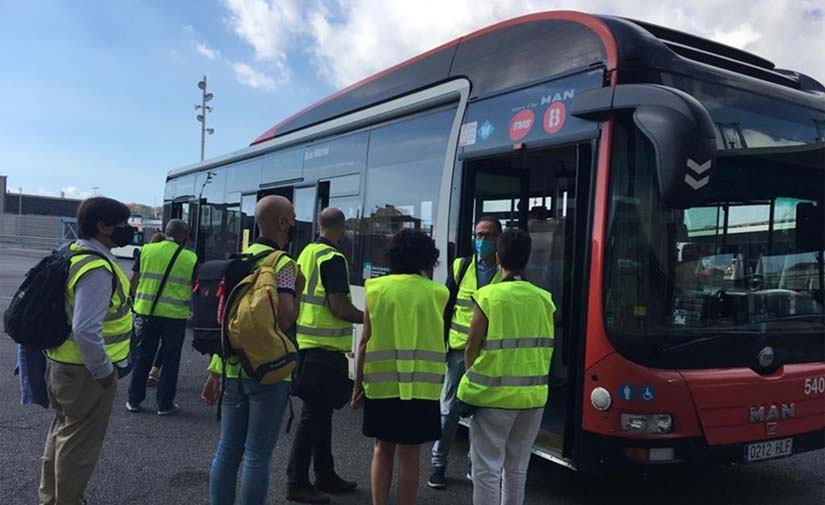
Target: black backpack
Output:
[
  {"x": 215, "y": 280},
  {"x": 36, "y": 317}
]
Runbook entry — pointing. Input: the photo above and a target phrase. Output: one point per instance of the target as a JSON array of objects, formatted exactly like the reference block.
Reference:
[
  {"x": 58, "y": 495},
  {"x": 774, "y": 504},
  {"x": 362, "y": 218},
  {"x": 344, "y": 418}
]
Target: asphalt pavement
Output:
[{"x": 148, "y": 459}]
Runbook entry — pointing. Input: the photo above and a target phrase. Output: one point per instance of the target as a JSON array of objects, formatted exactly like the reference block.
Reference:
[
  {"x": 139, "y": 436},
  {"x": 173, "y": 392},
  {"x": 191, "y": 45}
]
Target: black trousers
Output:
[{"x": 319, "y": 380}]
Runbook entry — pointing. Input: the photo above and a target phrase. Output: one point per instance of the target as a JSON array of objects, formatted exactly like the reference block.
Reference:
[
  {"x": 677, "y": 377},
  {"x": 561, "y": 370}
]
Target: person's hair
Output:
[
  {"x": 176, "y": 227},
  {"x": 514, "y": 249},
  {"x": 96, "y": 209},
  {"x": 331, "y": 219},
  {"x": 157, "y": 237},
  {"x": 411, "y": 252},
  {"x": 490, "y": 219}
]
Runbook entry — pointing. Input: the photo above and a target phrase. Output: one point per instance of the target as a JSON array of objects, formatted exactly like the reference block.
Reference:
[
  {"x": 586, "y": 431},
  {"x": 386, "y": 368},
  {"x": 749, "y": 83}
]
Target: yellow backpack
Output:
[{"x": 266, "y": 353}]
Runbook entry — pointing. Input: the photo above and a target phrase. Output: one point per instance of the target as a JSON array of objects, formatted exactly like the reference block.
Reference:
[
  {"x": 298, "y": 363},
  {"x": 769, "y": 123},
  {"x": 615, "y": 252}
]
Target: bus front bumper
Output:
[{"x": 602, "y": 454}]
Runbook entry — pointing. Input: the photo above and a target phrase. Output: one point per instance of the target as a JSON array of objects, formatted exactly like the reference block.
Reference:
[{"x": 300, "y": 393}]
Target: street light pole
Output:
[
  {"x": 20, "y": 214},
  {"x": 205, "y": 109}
]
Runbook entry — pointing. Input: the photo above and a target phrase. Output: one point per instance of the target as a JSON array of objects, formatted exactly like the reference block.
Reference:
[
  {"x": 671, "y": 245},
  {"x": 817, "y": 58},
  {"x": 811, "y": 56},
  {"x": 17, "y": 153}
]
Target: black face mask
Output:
[
  {"x": 290, "y": 233},
  {"x": 122, "y": 236}
]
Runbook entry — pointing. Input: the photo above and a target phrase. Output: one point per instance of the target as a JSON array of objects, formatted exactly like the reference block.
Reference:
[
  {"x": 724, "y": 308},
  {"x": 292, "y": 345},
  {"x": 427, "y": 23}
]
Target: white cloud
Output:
[
  {"x": 352, "y": 39},
  {"x": 201, "y": 45},
  {"x": 251, "y": 77},
  {"x": 67, "y": 192},
  {"x": 269, "y": 26}
]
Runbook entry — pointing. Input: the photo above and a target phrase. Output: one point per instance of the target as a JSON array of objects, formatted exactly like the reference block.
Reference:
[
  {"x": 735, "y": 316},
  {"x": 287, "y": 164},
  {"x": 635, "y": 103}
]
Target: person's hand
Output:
[
  {"x": 357, "y": 397},
  {"x": 211, "y": 390},
  {"x": 108, "y": 380}
]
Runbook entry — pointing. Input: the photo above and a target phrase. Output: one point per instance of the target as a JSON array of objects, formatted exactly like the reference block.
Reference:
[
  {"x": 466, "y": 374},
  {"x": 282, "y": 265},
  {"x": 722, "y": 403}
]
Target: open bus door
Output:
[
  {"x": 308, "y": 201},
  {"x": 537, "y": 191}
]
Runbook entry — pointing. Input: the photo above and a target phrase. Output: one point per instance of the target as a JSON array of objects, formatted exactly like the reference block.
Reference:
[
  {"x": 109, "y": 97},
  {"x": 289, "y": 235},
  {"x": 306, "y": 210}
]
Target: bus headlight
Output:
[
  {"x": 647, "y": 423},
  {"x": 600, "y": 398}
]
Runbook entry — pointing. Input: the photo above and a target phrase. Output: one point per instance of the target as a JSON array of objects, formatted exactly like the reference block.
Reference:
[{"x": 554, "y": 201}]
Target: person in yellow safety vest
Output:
[
  {"x": 82, "y": 373},
  {"x": 162, "y": 308},
  {"x": 508, "y": 354},
  {"x": 466, "y": 276},
  {"x": 251, "y": 412},
  {"x": 324, "y": 331},
  {"x": 154, "y": 372},
  {"x": 400, "y": 364}
]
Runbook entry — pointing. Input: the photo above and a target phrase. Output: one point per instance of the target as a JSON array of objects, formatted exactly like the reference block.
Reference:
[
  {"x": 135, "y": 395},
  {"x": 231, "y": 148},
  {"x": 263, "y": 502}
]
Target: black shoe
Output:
[
  {"x": 306, "y": 494},
  {"x": 437, "y": 478},
  {"x": 335, "y": 485}
]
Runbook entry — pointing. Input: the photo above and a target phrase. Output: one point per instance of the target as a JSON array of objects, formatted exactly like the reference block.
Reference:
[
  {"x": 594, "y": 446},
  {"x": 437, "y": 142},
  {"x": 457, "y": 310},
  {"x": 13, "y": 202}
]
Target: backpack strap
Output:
[
  {"x": 164, "y": 279},
  {"x": 453, "y": 284},
  {"x": 271, "y": 258}
]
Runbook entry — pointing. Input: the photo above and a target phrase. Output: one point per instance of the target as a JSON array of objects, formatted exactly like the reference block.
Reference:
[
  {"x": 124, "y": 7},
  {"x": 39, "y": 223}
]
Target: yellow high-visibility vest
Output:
[
  {"x": 177, "y": 293},
  {"x": 463, "y": 311},
  {"x": 513, "y": 367},
  {"x": 117, "y": 324},
  {"x": 405, "y": 354},
  {"x": 317, "y": 326}
]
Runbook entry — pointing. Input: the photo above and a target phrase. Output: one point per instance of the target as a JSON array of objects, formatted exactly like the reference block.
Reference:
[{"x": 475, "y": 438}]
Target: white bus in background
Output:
[{"x": 142, "y": 235}]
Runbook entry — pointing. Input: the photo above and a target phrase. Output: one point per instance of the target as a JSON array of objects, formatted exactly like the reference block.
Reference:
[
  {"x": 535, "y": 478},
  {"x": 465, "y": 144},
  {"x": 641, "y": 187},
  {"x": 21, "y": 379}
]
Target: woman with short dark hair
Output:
[
  {"x": 509, "y": 348},
  {"x": 401, "y": 363}
]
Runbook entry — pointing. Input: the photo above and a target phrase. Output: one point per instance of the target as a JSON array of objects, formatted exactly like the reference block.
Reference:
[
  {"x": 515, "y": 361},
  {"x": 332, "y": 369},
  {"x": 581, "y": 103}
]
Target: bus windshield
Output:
[{"x": 710, "y": 285}]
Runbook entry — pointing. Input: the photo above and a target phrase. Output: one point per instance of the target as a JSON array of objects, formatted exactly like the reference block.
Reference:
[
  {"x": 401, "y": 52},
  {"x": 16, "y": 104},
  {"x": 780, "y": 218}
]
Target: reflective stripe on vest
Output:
[
  {"x": 463, "y": 312},
  {"x": 117, "y": 323},
  {"x": 177, "y": 292},
  {"x": 405, "y": 353},
  {"x": 513, "y": 365},
  {"x": 317, "y": 327}
]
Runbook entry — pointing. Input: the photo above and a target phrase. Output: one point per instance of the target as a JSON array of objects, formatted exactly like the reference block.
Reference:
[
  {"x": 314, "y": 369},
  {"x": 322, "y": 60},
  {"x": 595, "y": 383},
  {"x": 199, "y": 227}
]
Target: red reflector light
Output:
[{"x": 637, "y": 454}]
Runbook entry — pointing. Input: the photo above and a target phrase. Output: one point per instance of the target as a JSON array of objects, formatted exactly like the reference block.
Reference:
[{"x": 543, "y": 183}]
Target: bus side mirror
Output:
[{"x": 679, "y": 127}]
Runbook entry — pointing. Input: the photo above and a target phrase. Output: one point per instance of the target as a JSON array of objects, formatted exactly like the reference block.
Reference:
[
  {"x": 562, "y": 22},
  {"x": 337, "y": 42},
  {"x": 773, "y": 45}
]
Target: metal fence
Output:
[{"x": 36, "y": 232}]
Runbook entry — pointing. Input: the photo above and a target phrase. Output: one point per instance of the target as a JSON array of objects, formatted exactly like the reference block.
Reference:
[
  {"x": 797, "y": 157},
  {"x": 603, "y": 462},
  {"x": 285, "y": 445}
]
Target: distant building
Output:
[{"x": 35, "y": 205}]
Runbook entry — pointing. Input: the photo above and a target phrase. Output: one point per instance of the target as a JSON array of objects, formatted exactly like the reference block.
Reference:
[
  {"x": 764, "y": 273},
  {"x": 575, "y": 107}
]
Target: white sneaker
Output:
[{"x": 132, "y": 408}]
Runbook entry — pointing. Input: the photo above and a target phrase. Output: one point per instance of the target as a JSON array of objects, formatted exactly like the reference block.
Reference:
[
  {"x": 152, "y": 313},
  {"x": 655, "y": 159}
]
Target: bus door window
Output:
[
  {"x": 248, "y": 230},
  {"x": 345, "y": 193},
  {"x": 306, "y": 206}
]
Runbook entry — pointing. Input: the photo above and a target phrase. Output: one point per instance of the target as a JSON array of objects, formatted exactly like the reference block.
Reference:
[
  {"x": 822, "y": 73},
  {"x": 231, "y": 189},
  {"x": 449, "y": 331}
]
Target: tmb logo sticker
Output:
[
  {"x": 521, "y": 124},
  {"x": 554, "y": 117}
]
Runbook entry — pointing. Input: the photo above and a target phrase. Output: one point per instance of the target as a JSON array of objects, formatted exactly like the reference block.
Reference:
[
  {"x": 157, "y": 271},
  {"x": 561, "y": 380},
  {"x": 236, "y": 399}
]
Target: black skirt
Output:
[{"x": 406, "y": 422}]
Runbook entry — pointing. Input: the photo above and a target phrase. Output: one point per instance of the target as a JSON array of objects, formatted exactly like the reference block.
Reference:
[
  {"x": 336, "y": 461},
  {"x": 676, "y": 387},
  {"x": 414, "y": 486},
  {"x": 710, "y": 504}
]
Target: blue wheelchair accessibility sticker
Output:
[{"x": 648, "y": 393}]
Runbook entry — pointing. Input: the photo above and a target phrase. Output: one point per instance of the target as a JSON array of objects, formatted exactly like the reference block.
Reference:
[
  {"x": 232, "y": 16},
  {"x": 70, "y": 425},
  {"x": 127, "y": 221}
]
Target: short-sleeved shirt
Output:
[{"x": 334, "y": 272}]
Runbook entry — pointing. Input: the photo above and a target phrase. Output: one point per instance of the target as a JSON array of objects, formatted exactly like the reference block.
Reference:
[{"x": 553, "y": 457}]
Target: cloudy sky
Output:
[{"x": 101, "y": 93}]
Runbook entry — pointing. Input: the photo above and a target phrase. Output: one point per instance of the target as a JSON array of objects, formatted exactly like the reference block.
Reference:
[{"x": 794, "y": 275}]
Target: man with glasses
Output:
[{"x": 466, "y": 276}]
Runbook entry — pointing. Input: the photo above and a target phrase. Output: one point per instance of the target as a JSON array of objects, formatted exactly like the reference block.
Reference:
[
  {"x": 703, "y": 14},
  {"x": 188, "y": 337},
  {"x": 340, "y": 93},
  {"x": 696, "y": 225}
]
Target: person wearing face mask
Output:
[
  {"x": 82, "y": 373},
  {"x": 162, "y": 299},
  {"x": 251, "y": 412},
  {"x": 465, "y": 278},
  {"x": 324, "y": 332}
]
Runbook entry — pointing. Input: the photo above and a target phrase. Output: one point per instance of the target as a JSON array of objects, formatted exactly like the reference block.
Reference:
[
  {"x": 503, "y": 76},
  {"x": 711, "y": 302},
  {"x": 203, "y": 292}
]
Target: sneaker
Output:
[
  {"x": 168, "y": 412},
  {"x": 469, "y": 471},
  {"x": 437, "y": 478},
  {"x": 131, "y": 407},
  {"x": 306, "y": 494},
  {"x": 335, "y": 485}
]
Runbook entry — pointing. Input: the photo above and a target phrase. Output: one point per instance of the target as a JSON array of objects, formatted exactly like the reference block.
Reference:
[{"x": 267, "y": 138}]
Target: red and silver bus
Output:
[{"x": 673, "y": 189}]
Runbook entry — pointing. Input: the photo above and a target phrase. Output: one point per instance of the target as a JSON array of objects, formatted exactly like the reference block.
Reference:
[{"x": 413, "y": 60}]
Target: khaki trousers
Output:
[{"x": 82, "y": 409}]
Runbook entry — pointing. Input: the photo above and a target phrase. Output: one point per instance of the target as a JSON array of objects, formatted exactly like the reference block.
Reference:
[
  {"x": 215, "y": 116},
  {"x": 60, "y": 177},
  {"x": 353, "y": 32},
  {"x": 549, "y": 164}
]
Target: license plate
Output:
[{"x": 768, "y": 450}]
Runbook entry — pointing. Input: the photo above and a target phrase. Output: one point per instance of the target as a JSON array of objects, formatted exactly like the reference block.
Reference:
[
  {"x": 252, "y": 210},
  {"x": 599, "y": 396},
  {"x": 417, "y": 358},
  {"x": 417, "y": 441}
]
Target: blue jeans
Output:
[
  {"x": 250, "y": 421},
  {"x": 149, "y": 334},
  {"x": 449, "y": 407}
]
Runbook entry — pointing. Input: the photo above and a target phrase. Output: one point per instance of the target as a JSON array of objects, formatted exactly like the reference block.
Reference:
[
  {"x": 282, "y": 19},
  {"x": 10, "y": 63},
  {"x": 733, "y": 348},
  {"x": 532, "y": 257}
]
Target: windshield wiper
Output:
[
  {"x": 669, "y": 349},
  {"x": 795, "y": 317}
]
